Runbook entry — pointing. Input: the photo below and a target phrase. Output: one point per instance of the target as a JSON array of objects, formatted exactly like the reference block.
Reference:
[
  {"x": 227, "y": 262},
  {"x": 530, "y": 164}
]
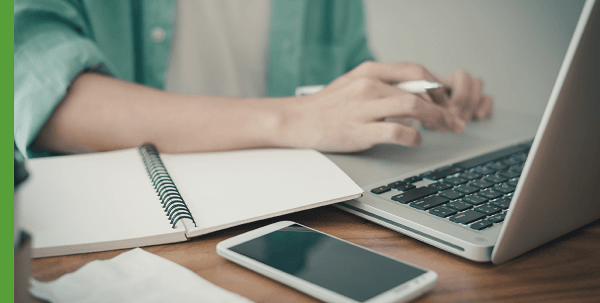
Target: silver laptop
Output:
[{"x": 498, "y": 205}]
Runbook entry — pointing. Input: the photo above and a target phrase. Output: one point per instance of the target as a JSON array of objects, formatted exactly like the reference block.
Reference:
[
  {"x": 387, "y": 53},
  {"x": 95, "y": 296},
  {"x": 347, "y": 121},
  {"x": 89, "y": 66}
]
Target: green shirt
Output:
[{"x": 311, "y": 42}]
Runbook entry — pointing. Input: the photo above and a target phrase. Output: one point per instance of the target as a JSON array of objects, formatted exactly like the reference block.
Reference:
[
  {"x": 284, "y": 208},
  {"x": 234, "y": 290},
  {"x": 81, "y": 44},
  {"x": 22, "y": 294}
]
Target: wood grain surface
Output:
[{"x": 564, "y": 270}]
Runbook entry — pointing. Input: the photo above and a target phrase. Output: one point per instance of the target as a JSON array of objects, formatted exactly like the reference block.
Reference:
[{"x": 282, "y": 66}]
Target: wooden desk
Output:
[{"x": 567, "y": 269}]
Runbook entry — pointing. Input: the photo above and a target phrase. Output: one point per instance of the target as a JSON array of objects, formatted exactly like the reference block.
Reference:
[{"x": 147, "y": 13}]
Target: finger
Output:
[
  {"x": 388, "y": 90},
  {"x": 389, "y": 132},
  {"x": 439, "y": 95},
  {"x": 398, "y": 103},
  {"x": 395, "y": 72},
  {"x": 386, "y": 104},
  {"x": 399, "y": 72},
  {"x": 427, "y": 97},
  {"x": 368, "y": 88},
  {"x": 411, "y": 106},
  {"x": 376, "y": 89},
  {"x": 473, "y": 101},
  {"x": 485, "y": 108},
  {"x": 461, "y": 91}
]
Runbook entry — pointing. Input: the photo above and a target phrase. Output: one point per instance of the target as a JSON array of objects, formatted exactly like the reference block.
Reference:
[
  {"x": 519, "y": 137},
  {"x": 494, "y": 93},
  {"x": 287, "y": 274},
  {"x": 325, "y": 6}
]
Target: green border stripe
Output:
[{"x": 7, "y": 149}]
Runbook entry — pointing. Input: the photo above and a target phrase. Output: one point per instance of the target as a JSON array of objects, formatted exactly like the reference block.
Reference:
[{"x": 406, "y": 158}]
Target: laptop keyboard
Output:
[{"x": 475, "y": 192}]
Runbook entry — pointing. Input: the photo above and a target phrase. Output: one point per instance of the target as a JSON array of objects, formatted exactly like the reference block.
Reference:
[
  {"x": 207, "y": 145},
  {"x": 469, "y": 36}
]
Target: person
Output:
[{"x": 90, "y": 76}]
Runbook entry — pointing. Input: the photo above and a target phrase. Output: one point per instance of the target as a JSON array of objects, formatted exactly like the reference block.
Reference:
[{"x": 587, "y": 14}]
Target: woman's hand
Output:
[
  {"x": 348, "y": 114},
  {"x": 467, "y": 99}
]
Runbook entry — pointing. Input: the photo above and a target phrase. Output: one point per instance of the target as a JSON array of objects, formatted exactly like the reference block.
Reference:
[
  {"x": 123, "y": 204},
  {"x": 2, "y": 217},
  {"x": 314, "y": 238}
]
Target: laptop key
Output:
[
  {"x": 466, "y": 189},
  {"x": 503, "y": 203},
  {"x": 496, "y": 179},
  {"x": 467, "y": 217},
  {"x": 439, "y": 186},
  {"x": 470, "y": 175},
  {"x": 433, "y": 175},
  {"x": 380, "y": 190},
  {"x": 405, "y": 187},
  {"x": 459, "y": 205},
  {"x": 450, "y": 170},
  {"x": 483, "y": 224},
  {"x": 488, "y": 209},
  {"x": 413, "y": 179},
  {"x": 510, "y": 174},
  {"x": 518, "y": 168},
  {"x": 498, "y": 166},
  {"x": 442, "y": 211},
  {"x": 511, "y": 161},
  {"x": 455, "y": 180},
  {"x": 396, "y": 184},
  {"x": 513, "y": 182},
  {"x": 481, "y": 184},
  {"x": 474, "y": 199},
  {"x": 451, "y": 194},
  {"x": 522, "y": 157},
  {"x": 490, "y": 193},
  {"x": 429, "y": 202},
  {"x": 485, "y": 171},
  {"x": 497, "y": 218},
  {"x": 414, "y": 194},
  {"x": 490, "y": 157},
  {"x": 504, "y": 188}
]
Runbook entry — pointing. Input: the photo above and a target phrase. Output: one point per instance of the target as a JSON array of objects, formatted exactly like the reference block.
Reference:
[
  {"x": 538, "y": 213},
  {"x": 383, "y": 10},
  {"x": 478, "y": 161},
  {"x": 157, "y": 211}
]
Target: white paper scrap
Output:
[{"x": 133, "y": 276}]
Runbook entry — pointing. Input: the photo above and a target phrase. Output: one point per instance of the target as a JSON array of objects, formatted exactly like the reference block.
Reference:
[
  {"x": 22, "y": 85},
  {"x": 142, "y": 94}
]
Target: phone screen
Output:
[{"x": 341, "y": 267}]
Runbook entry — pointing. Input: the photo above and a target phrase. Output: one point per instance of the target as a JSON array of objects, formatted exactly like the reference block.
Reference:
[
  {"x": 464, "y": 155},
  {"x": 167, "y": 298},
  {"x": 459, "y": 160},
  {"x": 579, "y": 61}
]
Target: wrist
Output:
[{"x": 293, "y": 124}]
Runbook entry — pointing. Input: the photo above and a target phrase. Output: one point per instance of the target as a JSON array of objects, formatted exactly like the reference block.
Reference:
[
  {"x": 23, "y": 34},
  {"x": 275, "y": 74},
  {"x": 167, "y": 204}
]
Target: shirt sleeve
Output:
[{"x": 53, "y": 44}]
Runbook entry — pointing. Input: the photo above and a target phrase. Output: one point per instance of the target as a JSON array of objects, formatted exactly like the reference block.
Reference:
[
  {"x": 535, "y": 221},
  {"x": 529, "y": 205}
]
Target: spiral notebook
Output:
[{"x": 140, "y": 197}]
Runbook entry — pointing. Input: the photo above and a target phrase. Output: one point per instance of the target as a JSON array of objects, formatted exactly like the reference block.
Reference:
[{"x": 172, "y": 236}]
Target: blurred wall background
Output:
[{"x": 516, "y": 46}]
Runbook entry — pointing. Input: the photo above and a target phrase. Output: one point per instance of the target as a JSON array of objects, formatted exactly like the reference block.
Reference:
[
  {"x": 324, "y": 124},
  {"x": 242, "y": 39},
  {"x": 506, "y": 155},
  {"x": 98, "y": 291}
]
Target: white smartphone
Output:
[{"x": 325, "y": 267}]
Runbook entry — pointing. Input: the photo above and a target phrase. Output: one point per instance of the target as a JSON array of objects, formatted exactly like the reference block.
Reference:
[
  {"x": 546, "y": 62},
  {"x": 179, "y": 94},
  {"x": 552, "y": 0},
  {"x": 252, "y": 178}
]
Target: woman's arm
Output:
[{"x": 103, "y": 113}]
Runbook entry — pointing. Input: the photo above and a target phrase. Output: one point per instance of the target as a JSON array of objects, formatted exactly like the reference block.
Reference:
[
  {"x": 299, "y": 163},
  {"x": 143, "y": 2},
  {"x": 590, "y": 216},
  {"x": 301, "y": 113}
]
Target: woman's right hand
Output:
[{"x": 350, "y": 113}]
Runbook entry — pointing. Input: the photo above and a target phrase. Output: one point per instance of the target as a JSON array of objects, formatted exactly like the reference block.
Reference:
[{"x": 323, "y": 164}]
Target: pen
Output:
[
  {"x": 419, "y": 86},
  {"x": 415, "y": 87}
]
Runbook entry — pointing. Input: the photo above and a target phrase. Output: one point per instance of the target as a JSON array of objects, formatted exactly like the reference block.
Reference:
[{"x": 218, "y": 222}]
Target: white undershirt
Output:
[{"x": 220, "y": 47}]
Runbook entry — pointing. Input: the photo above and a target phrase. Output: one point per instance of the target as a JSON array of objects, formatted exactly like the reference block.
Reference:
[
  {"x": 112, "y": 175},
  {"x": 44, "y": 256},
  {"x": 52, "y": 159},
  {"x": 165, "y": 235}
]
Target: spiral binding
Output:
[{"x": 171, "y": 200}]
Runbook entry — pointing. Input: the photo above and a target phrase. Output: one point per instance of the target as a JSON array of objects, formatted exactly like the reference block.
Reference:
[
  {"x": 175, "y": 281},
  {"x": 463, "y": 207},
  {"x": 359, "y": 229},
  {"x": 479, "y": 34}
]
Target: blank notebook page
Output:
[
  {"x": 223, "y": 189},
  {"x": 94, "y": 200}
]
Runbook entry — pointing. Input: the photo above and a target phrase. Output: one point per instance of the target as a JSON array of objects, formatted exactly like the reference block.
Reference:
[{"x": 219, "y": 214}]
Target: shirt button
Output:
[{"x": 158, "y": 35}]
